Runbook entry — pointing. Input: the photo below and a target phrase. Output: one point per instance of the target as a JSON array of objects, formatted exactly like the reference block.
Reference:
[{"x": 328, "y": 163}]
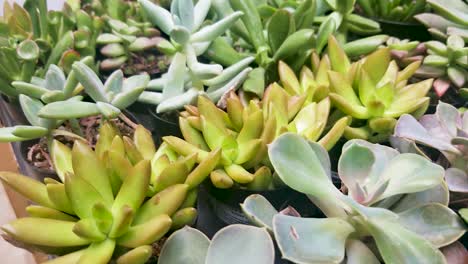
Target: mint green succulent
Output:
[
  {"x": 395, "y": 209},
  {"x": 231, "y": 245},
  {"x": 190, "y": 37}
]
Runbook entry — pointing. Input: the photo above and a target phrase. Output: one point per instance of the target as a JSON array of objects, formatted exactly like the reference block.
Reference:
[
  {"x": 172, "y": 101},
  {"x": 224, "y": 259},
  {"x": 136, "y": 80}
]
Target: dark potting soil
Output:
[{"x": 38, "y": 154}]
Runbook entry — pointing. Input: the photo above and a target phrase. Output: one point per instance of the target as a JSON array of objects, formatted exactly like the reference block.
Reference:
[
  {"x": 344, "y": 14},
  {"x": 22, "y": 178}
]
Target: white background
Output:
[{"x": 52, "y": 4}]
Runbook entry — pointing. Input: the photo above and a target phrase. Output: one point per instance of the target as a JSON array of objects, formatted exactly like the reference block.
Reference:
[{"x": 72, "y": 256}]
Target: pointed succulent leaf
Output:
[
  {"x": 146, "y": 233},
  {"x": 157, "y": 15},
  {"x": 68, "y": 110},
  {"x": 98, "y": 252},
  {"x": 53, "y": 233},
  {"x": 29, "y": 188},
  {"x": 338, "y": 59},
  {"x": 62, "y": 159},
  {"x": 211, "y": 32},
  {"x": 90, "y": 81}
]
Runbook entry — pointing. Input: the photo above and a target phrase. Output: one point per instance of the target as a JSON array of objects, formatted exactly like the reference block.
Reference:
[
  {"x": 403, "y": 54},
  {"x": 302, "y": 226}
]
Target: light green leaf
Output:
[
  {"x": 435, "y": 222},
  {"x": 311, "y": 240},
  {"x": 236, "y": 244},
  {"x": 259, "y": 211},
  {"x": 187, "y": 245}
]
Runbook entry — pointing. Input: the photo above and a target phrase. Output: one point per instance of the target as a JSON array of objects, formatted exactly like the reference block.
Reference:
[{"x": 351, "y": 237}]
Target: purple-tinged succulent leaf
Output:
[
  {"x": 435, "y": 222},
  {"x": 457, "y": 180},
  {"x": 455, "y": 253}
]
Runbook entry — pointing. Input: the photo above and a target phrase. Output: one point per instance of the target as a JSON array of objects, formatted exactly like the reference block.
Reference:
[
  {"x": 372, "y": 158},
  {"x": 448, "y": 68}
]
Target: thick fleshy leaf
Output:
[
  {"x": 457, "y": 180},
  {"x": 157, "y": 15},
  {"x": 211, "y": 32},
  {"x": 241, "y": 244},
  {"x": 299, "y": 167},
  {"x": 187, "y": 245},
  {"x": 90, "y": 81},
  {"x": 435, "y": 222},
  {"x": 311, "y": 240},
  {"x": 53, "y": 233},
  {"x": 439, "y": 194},
  {"x": 259, "y": 211},
  {"x": 408, "y": 127},
  {"x": 357, "y": 252},
  {"x": 409, "y": 173},
  {"x": 354, "y": 167}
]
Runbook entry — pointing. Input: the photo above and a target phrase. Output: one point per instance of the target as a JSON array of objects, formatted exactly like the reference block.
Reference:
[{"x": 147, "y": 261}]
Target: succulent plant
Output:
[
  {"x": 32, "y": 39},
  {"x": 405, "y": 51},
  {"x": 110, "y": 98},
  {"x": 124, "y": 40},
  {"x": 445, "y": 131},
  {"x": 33, "y": 97},
  {"x": 99, "y": 210},
  {"x": 287, "y": 35},
  {"x": 189, "y": 39},
  {"x": 373, "y": 91},
  {"x": 403, "y": 10},
  {"x": 395, "y": 209},
  {"x": 232, "y": 244},
  {"x": 341, "y": 19},
  {"x": 449, "y": 19},
  {"x": 242, "y": 132},
  {"x": 446, "y": 62}
]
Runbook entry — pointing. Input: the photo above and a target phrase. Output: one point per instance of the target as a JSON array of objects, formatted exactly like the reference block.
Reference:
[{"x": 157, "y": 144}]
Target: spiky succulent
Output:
[
  {"x": 189, "y": 39},
  {"x": 446, "y": 131},
  {"x": 373, "y": 91},
  {"x": 232, "y": 244},
  {"x": 395, "y": 211},
  {"x": 242, "y": 132},
  {"x": 111, "y": 203},
  {"x": 446, "y": 62},
  {"x": 449, "y": 18}
]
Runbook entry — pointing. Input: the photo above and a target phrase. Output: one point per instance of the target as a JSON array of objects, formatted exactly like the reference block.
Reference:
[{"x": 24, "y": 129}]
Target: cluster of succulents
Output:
[
  {"x": 449, "y": 19},
  {"x": 113, "y": 202},
  {"x": 287, "y": 99},
  {"x": 403, "y": 10},
  {"x": 393, "y": 198},
  {"x": 448, "y": 63}
]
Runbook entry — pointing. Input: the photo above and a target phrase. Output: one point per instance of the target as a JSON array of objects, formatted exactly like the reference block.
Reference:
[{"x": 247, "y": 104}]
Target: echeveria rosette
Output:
[
  {"x": 104, "y": 206},
  {"x": 190, "y": 38},
  {"x": 230, "y": 245},
  {"x": 392, "y": 202},
  {"x": 449, "y": 18},
  {"x": 445, "y": 131},
  {"x": 374, "y": 92},
  {"x": 448, "y": 63},
  {"x": 110, "y": 98}
]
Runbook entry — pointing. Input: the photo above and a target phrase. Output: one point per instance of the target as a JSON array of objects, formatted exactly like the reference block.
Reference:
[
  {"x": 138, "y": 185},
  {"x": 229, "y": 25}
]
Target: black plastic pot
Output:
[
  {"x": 29, "y": 169},
  {"x": 142, "y": 115},
  {"x": 11, "y": 113},
  {"x": 165, "y": 125},
  {"x": 221, "y": 207},
  {"x": 404, "y": 30}
]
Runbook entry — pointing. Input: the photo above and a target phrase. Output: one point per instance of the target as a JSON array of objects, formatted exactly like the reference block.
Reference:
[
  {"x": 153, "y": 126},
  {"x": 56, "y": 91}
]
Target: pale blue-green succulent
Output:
[
  {"x": 231, "y": 245},
  {"x": 395, "y": 210},
  {"x": 110, "y": 98},
  {"x": 190, "y": 37}
]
